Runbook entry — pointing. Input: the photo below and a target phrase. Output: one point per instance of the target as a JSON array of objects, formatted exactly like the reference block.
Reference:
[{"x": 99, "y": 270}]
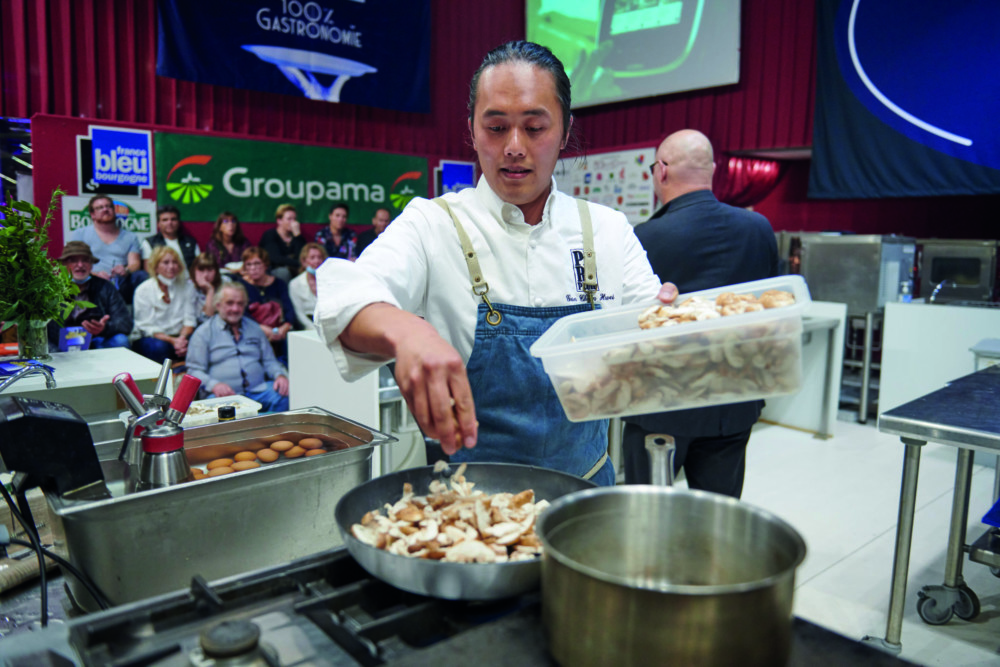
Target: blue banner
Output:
[
  {"x": 368, "y": 52},
  {"x": 907, "y": 97}
]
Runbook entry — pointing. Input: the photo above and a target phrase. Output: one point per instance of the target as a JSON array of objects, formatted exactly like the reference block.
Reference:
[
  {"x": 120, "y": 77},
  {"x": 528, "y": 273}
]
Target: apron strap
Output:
[
  {"x": 479, "y": 285},
  {"x": 589, "y": 255},
  {"x": 597, "y": 466}
]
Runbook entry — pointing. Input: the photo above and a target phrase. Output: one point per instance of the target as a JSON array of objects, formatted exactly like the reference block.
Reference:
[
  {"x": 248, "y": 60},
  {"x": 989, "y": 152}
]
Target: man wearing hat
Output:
[{"x": 109, "y": 322}]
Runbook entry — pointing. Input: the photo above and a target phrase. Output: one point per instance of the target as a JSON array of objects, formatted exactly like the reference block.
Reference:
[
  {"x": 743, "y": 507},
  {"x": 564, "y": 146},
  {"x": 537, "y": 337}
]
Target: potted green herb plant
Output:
[{"x": 34, "y": 288}]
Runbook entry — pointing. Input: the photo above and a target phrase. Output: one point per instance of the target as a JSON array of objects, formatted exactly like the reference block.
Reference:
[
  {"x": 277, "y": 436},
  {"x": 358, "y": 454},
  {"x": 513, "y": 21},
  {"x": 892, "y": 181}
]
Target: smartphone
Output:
[{"x": 646, "y": 34}]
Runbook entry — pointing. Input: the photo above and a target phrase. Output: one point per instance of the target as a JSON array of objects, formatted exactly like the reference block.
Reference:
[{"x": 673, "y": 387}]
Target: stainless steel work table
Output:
[{"x": 963, "y": 414}]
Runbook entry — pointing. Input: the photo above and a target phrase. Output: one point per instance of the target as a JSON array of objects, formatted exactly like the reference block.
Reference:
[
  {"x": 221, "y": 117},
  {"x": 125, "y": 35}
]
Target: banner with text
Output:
[
  {"x": 204, "y": 176},
  {"x": 136, "y": 215},
  {"x": 370, "y": 52}
]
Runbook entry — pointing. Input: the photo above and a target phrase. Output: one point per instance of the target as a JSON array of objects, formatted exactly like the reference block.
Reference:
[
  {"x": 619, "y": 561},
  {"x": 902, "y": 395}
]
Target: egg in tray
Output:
[{"x": 257, "y": 453}]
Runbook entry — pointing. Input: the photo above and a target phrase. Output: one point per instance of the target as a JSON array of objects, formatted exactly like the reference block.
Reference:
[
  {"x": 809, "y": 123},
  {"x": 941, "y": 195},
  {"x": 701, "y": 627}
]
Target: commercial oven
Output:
[{"x": 953, "y": 270}]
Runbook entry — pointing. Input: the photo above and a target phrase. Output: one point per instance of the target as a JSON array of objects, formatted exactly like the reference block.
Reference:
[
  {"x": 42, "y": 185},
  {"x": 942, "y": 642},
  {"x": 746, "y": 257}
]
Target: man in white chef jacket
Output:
[{"x": 457, "y": 288}]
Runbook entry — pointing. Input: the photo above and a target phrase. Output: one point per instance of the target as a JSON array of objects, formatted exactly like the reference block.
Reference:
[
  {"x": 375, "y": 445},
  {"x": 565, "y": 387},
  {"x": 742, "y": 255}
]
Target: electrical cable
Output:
[
  {"x": 37, "y": 546},
  {"x": 91, "y": 587}
]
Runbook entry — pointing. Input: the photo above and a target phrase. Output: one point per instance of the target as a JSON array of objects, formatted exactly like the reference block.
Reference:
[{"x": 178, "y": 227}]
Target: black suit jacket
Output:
[{"x": 698, "y": 243}]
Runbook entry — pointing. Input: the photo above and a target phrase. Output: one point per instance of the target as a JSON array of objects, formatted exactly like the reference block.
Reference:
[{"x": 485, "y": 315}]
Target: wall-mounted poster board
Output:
[{"x": 619, "y": 180}]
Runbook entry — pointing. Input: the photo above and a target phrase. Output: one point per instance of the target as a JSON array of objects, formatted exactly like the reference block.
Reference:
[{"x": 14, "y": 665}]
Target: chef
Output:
[{"x": 458, "y": 288}]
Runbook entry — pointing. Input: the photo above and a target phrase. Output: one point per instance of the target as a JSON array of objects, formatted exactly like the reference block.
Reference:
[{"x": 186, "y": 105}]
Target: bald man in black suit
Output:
[{"x": 698, "y": 243}]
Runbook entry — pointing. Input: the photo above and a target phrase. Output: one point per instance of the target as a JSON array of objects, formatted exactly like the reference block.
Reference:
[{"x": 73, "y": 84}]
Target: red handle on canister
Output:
[
  {"x": 130, "y": 383},
  {"x": 185, "y": 393}
]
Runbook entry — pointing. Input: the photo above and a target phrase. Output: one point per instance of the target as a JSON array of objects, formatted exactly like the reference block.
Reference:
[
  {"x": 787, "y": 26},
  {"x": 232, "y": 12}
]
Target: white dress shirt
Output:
[
  {"x": 417, "y": 264},
  {"x": 303, "y": 300},
  {"x": 153, "y": 315}
]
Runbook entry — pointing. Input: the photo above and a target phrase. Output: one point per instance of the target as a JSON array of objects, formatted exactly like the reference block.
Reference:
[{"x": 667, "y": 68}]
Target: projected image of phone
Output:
[{"x": 646, "y": 34}]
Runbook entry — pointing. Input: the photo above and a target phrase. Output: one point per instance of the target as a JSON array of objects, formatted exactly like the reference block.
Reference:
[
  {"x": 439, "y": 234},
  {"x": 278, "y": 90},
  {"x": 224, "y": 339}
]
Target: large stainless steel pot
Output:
[
  {"x": 640, "y": 575},
  {"x": 452, "y": 581}
]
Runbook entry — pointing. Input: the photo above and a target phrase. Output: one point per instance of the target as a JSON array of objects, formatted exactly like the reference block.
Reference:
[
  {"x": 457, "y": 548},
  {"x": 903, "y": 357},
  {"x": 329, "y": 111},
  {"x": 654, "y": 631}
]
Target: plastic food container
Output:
[
  {"x": 603, "y": 365},
  {"x": 207, "y": 411}
]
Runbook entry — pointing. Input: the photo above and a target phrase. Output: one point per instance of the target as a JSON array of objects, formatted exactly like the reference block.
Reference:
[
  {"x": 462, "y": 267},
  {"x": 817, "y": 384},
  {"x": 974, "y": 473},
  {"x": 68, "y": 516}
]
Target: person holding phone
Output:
[
  {"x": 109, "y": 321},
  {"x": 457, "y": 289}
]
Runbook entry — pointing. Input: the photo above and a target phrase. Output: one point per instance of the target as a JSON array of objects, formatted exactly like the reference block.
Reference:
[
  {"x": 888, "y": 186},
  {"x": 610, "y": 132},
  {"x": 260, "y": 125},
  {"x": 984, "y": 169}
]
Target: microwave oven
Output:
[{"x": 957, "y": 270}]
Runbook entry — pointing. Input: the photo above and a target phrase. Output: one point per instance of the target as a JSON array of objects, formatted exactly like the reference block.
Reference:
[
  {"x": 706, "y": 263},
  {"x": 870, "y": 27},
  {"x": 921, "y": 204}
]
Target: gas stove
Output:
[{"x": 326, "y": 611}]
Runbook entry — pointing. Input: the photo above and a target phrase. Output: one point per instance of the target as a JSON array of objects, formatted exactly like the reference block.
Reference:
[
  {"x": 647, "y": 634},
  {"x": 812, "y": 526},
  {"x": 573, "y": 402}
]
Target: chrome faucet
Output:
[
  {"x": 50, "y": 382},
  {"x": 939, "y": 287}
]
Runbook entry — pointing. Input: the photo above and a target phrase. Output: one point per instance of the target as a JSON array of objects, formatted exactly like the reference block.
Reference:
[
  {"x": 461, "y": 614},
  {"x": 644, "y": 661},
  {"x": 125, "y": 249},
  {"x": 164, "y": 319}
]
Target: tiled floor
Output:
[{"x": 842, "y": 495}]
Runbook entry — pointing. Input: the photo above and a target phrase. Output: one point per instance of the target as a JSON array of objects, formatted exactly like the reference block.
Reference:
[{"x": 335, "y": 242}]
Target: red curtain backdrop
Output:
[
  {"x": 743, "y": 181},
  {"x": 97, "y": 59}
]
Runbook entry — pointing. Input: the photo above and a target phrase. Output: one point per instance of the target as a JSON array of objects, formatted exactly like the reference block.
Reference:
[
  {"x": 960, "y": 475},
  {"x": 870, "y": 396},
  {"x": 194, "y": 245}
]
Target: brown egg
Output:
[
  {"x": 282, "y": 445},
  {"x": 315, "y": 452},
  {"x": 268, "y": 455},
  {"x": 219, "y": 463},
  {"x": 216, "y": 472},
  {"x": 198, "y": 474},
  {"x": 245, "y": 456},
  {"x": 310, "y": 443},
  {"x": 245, "y": 465},
  {"x": 294, "y": 453}
]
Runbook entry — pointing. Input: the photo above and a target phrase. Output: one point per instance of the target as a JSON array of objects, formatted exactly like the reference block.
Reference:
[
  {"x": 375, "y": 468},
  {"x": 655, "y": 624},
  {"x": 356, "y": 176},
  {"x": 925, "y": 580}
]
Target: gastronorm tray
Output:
[{"x": 137, "y": 545}]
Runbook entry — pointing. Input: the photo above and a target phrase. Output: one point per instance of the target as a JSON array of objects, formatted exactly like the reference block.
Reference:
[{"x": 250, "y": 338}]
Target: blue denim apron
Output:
[{"x": 520, "y": 417}]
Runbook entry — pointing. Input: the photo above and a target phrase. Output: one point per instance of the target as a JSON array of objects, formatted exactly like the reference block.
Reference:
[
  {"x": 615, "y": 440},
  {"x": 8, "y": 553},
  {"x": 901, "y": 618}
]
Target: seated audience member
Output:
[
  {"x": 170, "y": 233},
  {"x": 117, "y": 249},
  {"x": 164, "y": 309},
  {"x": 380, "y": 221},
  {"x": 228, "y": 243},
  {"x": 338, "y": 240},
  {"x": 206, "y": 280},
  {"x": 109, "y": 322},
  {"x": 302, "y": 289},
  {"x": 267, "y": 296},
  {"x": 284, "y": 243},
  {"x": 230, "y": 354}
]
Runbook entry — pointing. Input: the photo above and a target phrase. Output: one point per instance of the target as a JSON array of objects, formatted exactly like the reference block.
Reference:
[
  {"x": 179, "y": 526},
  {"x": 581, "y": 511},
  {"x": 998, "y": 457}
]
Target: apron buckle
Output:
[{"x": 494, "y": 317}]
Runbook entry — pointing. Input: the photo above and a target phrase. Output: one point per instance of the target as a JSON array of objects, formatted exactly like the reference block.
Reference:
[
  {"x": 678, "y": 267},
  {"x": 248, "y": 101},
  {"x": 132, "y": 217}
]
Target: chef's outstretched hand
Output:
[
  {"x": 431, "y": 377},
  {"x": 668, "y": 292}
]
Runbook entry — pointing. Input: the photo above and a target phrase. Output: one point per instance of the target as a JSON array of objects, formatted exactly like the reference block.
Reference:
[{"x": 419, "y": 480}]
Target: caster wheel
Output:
[
  {"x": 931, "y": 612},
  {"x": 968, "y": 605}
]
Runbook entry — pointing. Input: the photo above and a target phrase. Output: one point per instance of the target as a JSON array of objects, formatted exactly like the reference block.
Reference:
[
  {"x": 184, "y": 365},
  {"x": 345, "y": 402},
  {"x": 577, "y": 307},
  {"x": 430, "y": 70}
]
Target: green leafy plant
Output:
[{"x": 33, "y": 286}]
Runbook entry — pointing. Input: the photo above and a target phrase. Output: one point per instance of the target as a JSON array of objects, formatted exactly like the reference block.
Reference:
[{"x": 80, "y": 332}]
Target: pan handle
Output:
[{"x": 661, "y": 450}]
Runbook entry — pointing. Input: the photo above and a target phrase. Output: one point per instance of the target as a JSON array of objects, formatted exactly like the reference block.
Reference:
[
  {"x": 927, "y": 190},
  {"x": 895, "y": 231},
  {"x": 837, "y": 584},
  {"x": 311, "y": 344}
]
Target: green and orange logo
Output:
[
  {"x": 189, "y": 189},
  {"x": 405, "y": 193}
]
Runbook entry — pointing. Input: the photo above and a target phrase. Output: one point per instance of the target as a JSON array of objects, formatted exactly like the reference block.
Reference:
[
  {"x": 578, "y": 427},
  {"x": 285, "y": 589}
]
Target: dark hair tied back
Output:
[{"x": 533, "y": 54}]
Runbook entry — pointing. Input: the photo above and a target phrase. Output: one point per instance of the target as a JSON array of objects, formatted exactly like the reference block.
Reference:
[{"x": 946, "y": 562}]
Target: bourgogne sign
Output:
[{"x": 203, "y": 176}]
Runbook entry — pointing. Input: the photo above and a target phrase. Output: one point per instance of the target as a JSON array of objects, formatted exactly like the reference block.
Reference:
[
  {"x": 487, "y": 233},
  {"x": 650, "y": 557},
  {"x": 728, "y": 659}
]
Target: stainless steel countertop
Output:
[{"x": 963, "y": 414}]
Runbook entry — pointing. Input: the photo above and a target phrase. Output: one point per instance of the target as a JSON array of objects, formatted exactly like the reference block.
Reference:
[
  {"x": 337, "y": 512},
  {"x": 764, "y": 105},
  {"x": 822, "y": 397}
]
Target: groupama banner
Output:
[
  {"x": 369, "y": 52},
  {"x": 204, "y": 176}
]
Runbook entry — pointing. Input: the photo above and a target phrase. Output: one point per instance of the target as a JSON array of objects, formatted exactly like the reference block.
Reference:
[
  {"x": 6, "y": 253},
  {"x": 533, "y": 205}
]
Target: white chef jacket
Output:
[{"x": 417, "y": 264}]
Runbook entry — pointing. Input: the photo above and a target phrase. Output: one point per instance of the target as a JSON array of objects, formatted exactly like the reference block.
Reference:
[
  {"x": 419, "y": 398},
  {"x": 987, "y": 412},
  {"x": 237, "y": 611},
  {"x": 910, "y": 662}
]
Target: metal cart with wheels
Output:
[{"x": 964, "y": 415}]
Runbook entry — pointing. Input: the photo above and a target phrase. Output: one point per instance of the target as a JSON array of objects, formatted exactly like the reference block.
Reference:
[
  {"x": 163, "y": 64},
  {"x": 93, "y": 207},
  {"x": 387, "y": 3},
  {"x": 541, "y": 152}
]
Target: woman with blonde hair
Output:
[
  {"x": 164, "y": 309},
  {"x": 302, "y": 289}
]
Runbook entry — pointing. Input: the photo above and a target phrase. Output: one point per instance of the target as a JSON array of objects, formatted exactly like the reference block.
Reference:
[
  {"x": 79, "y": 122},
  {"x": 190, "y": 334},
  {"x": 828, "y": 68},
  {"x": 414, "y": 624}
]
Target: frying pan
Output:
[{"x": 451, "y": 581}]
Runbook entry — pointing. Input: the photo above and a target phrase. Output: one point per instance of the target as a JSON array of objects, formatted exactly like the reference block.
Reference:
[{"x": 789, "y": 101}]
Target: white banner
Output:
[
  {"x": 618, "y": 180},
  {"x": 136, "y": 215}
]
